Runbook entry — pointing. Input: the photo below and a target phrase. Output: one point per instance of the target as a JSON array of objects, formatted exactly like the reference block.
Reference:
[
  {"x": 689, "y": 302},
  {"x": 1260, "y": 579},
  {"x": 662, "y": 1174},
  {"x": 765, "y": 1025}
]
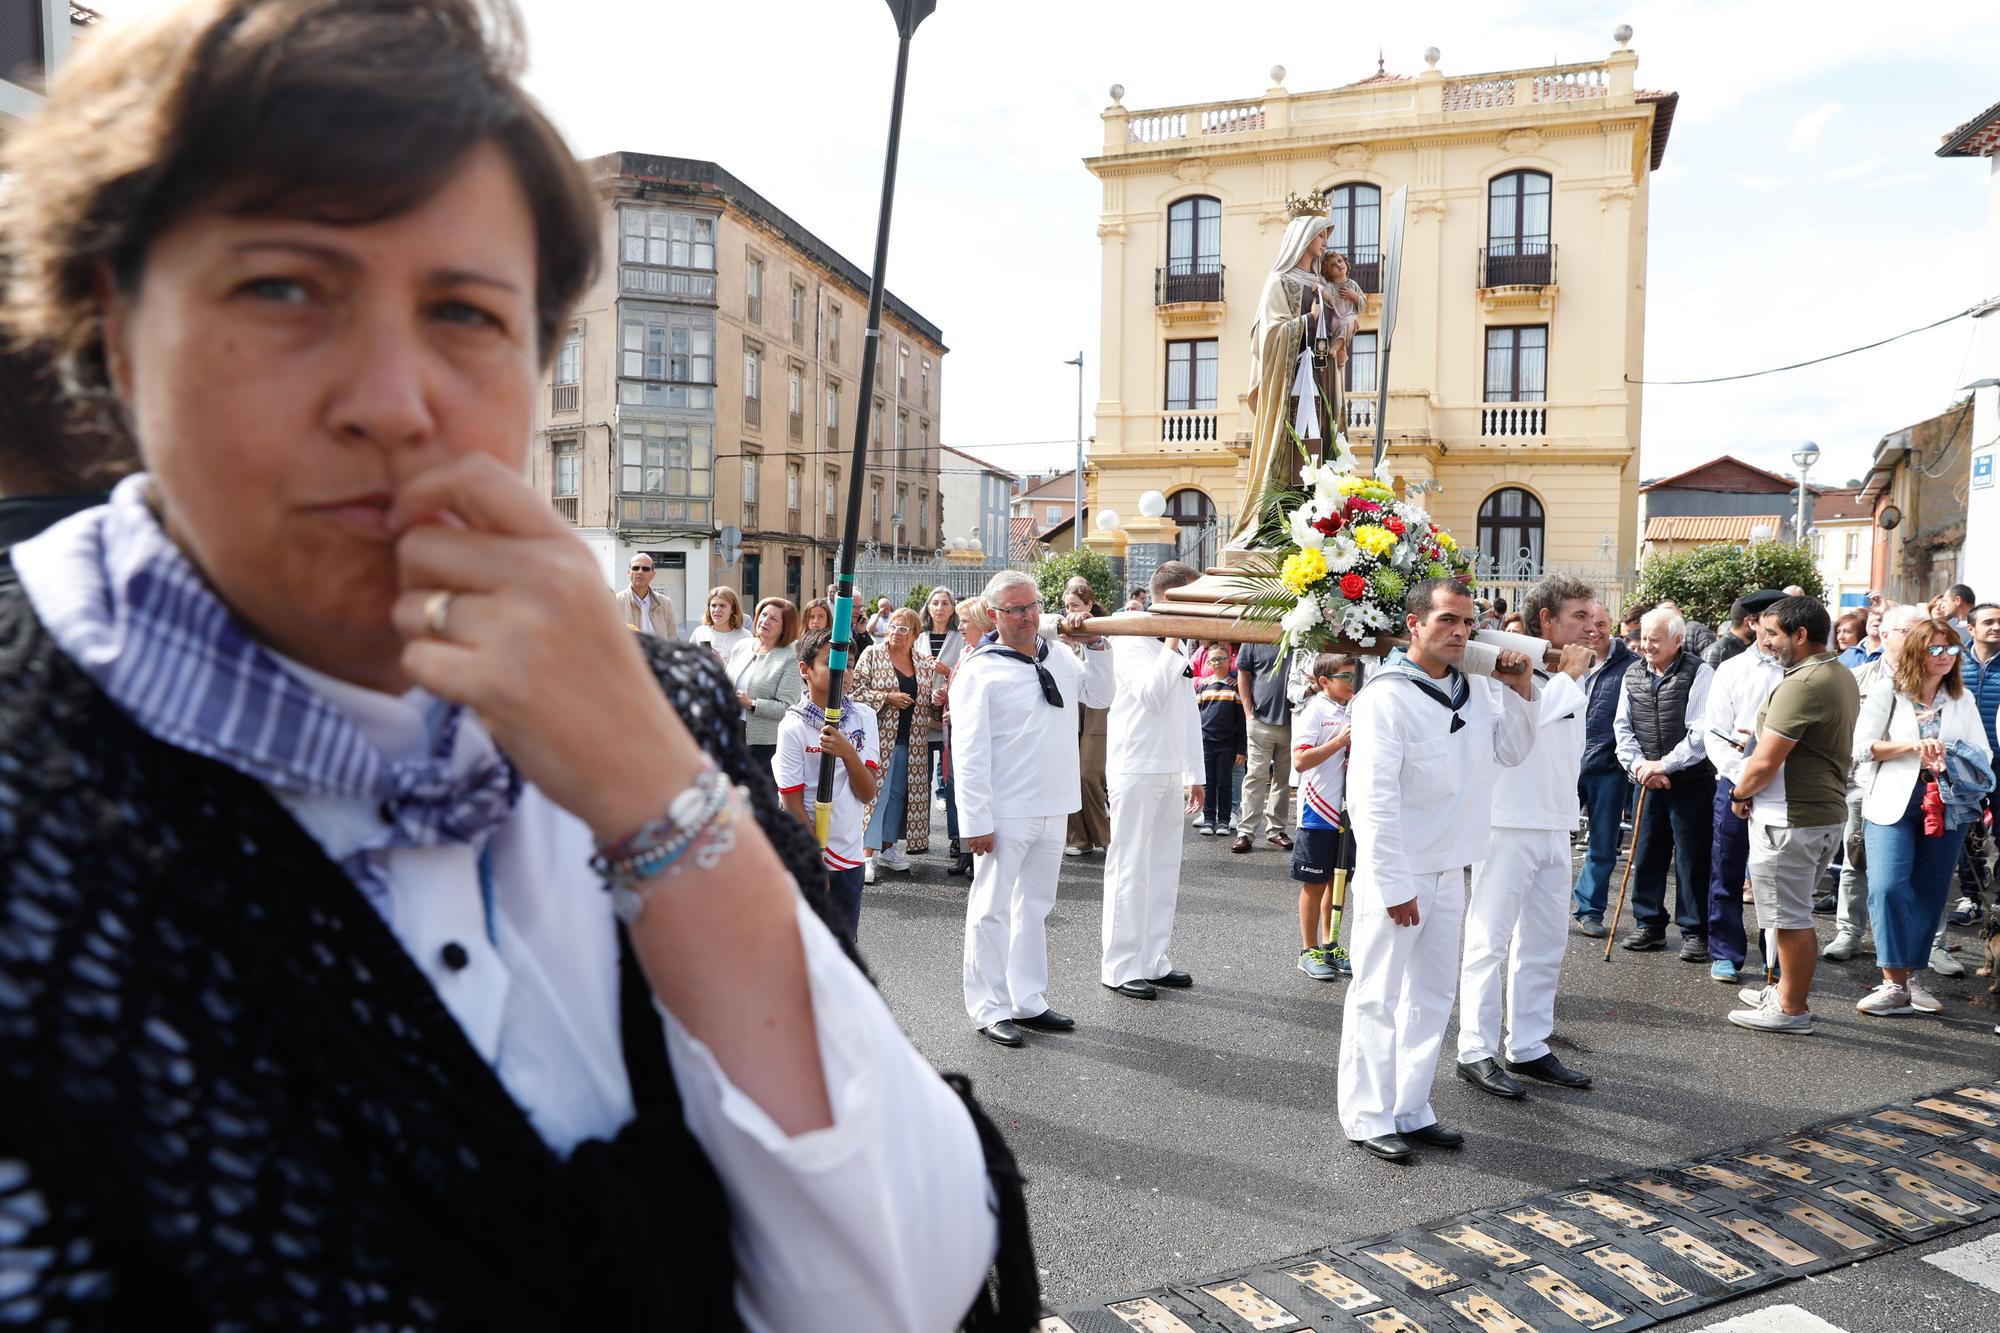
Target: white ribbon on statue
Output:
[{"x": 1306, "y": 389}]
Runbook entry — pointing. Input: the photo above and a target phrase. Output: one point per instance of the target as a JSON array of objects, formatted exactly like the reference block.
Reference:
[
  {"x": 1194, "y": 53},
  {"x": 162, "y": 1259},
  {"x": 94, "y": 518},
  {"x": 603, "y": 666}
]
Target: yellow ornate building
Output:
[{"x": 1521, "y": 319}]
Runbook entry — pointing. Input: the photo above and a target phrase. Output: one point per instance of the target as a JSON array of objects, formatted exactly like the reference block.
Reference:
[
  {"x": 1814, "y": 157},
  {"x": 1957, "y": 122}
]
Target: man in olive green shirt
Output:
[{"x": 1794, "y": 793}]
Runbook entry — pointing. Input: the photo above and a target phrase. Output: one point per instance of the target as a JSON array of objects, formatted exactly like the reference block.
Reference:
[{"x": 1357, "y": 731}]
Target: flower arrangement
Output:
[{"x": 1349, "y": 550}]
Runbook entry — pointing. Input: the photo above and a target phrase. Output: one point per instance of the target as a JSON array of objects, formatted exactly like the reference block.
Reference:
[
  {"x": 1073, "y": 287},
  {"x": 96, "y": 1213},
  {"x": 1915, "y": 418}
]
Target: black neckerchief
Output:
[
  {"x": 1459, "y": 697},
  {"x": 1051, "y": 692}
]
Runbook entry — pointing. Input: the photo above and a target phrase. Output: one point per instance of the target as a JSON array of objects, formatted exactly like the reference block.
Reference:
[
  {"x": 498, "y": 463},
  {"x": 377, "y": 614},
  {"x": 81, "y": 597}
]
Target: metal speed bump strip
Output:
[{"x": 1626, "y": 1252}]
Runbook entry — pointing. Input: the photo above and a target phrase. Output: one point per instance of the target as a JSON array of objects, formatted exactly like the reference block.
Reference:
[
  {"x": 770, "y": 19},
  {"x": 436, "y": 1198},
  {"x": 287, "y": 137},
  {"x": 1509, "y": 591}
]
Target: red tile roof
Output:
[
  {"x": 1727, "y": 473},
  {"x": 1663, "y": 104},
  {"x": 1710, "y": 527},
  {"x": 1978, "y": 137},
  {"x": 1840, "y": 504}
]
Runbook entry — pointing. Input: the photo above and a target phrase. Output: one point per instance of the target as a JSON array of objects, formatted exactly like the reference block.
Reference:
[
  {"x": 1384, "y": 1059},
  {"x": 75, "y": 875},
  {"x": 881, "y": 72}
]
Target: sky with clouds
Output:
[{"x": 1800, "y": 209}]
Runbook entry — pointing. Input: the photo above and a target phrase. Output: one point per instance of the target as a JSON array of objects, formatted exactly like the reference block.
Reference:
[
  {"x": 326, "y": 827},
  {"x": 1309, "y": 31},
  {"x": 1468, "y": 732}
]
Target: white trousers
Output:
[
  {"x": 1006, "y": 944},
  {"x": 1518, "y": 920},
  {"x": 1142, "y": 874},
  {"x": 1397, "y": 1006}
]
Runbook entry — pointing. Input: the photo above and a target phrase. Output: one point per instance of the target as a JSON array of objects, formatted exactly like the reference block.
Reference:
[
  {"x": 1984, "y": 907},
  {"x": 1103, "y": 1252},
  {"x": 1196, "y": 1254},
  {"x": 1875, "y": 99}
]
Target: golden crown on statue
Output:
[{"x": 1306, "y": 205}]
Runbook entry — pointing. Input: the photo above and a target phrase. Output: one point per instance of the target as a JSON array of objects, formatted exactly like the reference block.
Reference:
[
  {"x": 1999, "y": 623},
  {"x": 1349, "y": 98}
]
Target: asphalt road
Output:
[{"x": 1170, "y": 1139}]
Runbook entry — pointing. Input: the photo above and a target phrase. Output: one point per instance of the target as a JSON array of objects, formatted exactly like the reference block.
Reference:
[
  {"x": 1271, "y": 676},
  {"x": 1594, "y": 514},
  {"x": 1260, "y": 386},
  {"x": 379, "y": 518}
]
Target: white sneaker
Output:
[
  {"x": 892, "y": 858},
  {"x": 1843, "y": 946},
  {"x": 1922, "y": 1000},
  {"x": 1757, "y": 996},
  {"x": 1072, "y": 851},
  {"x": 1771, "y": 1018},
  {"x": 1945, "y": 965},
  {"x": 1886, "y": 999},
  {"x": 868, "y": 875}
]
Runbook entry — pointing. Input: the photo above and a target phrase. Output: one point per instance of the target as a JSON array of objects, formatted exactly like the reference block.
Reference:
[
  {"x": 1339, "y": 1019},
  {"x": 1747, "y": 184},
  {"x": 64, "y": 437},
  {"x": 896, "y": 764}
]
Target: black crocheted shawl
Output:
[{"x": 229, "y": 1098}]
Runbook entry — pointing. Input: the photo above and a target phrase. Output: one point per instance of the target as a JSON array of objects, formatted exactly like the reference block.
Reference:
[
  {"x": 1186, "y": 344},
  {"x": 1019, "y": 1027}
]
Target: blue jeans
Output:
[
  {"x": 1909, "y": 877},
  {"x": 886, "y": 825},
  {"x": 1729, "y": 858},
  {"x": 1602, "y": 796},
  {"x": 945, "y": 789}
]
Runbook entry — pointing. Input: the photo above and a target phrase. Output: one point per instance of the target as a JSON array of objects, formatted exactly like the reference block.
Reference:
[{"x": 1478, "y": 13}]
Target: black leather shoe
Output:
[
  {"x": 1436, "y": 1136},
  {"x": 1388, "y": 1147},
  {"x": 1048, "y": 1021},
  {"x": 1003, "y": 1032},
  {"x": 1487, "y": 1076},
  {"x": 1694, "y": 949},
  {"x": 1174, "y": 980},
  {"x": 1550, "y": 1070},
  {"x": 1643, "y": 940},
  {"x": 963, "y": 866},
  {"x": 1138, "y": 990}
]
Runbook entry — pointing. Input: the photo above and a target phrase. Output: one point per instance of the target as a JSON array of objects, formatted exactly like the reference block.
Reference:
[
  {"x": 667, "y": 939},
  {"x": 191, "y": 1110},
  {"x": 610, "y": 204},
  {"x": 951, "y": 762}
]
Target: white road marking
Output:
[
  {"x": 1977, "y": 1262},
  {"x": 1775, "y": 1319}
]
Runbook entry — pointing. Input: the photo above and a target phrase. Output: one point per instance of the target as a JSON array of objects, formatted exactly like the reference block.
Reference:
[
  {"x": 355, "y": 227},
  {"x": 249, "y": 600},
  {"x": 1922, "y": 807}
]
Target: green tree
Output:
[
  {"x": 1051, "y": 572},
  {"x": 919, "y": 594},
  {"x": 1704, "y": 581}
]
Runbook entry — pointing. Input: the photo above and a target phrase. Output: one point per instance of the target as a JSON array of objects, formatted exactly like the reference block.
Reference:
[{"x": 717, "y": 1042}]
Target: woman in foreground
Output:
[{"x": 387, "y": 938}]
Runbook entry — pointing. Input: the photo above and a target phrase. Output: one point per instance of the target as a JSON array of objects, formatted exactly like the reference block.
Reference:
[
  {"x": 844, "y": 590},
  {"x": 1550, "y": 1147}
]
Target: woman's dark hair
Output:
[{"x": 339, "y": 111}]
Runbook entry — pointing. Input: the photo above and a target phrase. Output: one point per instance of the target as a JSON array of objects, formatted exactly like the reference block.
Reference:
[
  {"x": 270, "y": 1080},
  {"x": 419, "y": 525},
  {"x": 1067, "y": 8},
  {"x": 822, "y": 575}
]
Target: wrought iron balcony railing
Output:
[
  {"x": 1518, "y": 264},
  {"x": 1187, "y": 280}
]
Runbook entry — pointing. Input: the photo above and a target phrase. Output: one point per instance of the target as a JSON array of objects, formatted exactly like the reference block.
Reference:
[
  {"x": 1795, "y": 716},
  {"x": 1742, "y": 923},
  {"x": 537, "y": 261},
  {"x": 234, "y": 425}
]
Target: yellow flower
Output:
[
  {"x": 1376, "y": 540},
  {"x": 1444, "y": 540},
  {"x": 1302, "y": 569}
]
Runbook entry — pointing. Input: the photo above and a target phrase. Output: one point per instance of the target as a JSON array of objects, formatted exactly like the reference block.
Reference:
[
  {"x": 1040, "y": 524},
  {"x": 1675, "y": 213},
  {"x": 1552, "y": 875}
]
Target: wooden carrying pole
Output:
[{"x": 1611, "y": 935}]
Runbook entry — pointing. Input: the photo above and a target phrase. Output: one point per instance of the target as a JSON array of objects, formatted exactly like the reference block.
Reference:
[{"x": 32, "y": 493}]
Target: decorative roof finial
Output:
[{"x": 1381, "y": 65}]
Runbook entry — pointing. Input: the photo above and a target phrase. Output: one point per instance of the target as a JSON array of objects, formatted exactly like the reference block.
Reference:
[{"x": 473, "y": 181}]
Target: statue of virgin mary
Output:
[{"x": 1291, "y": 381}]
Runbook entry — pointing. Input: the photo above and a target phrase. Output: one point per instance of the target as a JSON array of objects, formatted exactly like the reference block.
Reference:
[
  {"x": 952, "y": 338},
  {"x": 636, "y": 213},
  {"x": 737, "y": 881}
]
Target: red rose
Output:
[
  {"x": 1353, "y": 586},
  {"x": 1394, "y": 524},
  {"x": 1328, "y": 525},
  {"x": 1360, "y": 506}
]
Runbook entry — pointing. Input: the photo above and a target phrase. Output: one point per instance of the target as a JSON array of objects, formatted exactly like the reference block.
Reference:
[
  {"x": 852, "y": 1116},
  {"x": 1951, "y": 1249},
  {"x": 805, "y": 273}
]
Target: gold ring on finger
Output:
[{"x": 437, "y": 612}]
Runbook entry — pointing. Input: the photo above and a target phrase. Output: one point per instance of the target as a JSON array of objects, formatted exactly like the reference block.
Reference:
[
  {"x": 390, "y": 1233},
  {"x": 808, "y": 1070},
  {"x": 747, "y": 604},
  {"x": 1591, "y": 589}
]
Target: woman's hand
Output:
[
  {"x": 743, "y": 697},
  {"x": 897, "y": 699},
  {"x": 533, "y": 644},
  {"x": 1931, "y": 753}
]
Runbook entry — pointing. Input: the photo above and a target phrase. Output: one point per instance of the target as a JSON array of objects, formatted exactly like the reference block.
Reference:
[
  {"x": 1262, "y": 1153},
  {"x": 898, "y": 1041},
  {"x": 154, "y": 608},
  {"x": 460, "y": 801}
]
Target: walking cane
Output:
[{"x": 1638, "y": 814}]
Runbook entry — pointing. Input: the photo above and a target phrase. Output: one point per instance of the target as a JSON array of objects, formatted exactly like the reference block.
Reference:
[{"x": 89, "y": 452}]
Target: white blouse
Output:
[
  {"x": 723, "y": 641},
  {"x": 881, "y": 1221}
]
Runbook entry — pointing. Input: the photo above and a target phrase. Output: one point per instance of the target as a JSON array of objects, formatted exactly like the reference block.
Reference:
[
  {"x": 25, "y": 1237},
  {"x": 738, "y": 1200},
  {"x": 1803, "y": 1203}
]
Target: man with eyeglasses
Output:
[
  {"x": 646, "y": 611},
  {"x": 1013, "y": 736}
]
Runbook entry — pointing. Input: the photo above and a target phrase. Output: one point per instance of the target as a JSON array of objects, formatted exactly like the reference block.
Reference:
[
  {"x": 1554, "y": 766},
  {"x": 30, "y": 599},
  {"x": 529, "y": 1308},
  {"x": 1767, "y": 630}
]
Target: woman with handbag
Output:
[{"x": 1910, "y": 717}]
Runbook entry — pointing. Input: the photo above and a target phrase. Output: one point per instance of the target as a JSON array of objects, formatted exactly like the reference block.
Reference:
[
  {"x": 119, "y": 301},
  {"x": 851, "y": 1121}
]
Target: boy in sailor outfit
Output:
[
  {"x": 1427, "y": 745},
  {"x": 1516, "y": 920}
]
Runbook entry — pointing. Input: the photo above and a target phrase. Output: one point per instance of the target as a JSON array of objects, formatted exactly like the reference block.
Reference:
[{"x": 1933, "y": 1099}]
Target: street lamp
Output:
[
  {"x": 1805, "y": 456},
  {"x": 1076, "y": 527},
  {"x": 1152, "y": 504}
]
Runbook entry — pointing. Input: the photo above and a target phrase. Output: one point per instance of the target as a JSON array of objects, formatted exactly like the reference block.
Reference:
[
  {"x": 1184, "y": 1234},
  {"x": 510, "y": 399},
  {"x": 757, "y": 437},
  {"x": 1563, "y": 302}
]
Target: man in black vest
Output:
[{"x": 1659, "y": 729}]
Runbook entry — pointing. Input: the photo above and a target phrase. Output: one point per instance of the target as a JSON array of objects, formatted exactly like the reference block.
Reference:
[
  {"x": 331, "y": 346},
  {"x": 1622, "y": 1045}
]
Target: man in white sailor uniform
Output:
[
  {"x": 1517, "y": 920},
  {"x": 1018, "y": 778},
  {"x": 1154, "y": 770},
  {"x": 1427, "y": 745}
]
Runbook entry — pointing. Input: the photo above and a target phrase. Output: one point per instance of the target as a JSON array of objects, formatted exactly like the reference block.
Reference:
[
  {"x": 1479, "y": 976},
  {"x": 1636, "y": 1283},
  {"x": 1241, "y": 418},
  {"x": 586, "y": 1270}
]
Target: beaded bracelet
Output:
[{"x": 697, "y": 828}]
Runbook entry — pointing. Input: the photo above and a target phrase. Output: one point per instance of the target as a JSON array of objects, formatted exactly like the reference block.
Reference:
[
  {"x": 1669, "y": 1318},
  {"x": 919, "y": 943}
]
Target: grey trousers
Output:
[
  {"x": 1851, "y": 916},
  {"x": 1267, "y": 779}
]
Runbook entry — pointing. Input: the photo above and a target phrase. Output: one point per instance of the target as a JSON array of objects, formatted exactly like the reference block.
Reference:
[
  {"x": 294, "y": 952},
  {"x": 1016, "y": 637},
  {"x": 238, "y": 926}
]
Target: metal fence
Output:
[
  {"x": 1512, "y": 576},
  {"x": 878, "y": 573}
]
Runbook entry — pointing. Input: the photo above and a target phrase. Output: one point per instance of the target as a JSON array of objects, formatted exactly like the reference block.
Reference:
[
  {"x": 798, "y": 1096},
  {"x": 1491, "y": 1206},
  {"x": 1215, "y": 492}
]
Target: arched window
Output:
[
  {"x": 1517, "y": 230},
  {"x": 1194, "y": 250},
  {"x": 1357, "y": 231},
  {"x": 1510, "y": 533},
  {"x": 1194, "y": 513}
]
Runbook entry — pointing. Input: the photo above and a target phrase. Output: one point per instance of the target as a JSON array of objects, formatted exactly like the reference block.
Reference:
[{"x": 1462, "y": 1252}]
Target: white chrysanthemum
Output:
[
  {"x": 1341, "y": 553},
  {"x": 1305, "y": 614}
]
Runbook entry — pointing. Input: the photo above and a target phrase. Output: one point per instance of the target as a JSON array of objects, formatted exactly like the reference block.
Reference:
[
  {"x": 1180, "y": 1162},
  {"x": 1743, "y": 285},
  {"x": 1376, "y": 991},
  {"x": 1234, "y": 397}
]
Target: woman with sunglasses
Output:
[{"x": 1910, "y": 720}]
